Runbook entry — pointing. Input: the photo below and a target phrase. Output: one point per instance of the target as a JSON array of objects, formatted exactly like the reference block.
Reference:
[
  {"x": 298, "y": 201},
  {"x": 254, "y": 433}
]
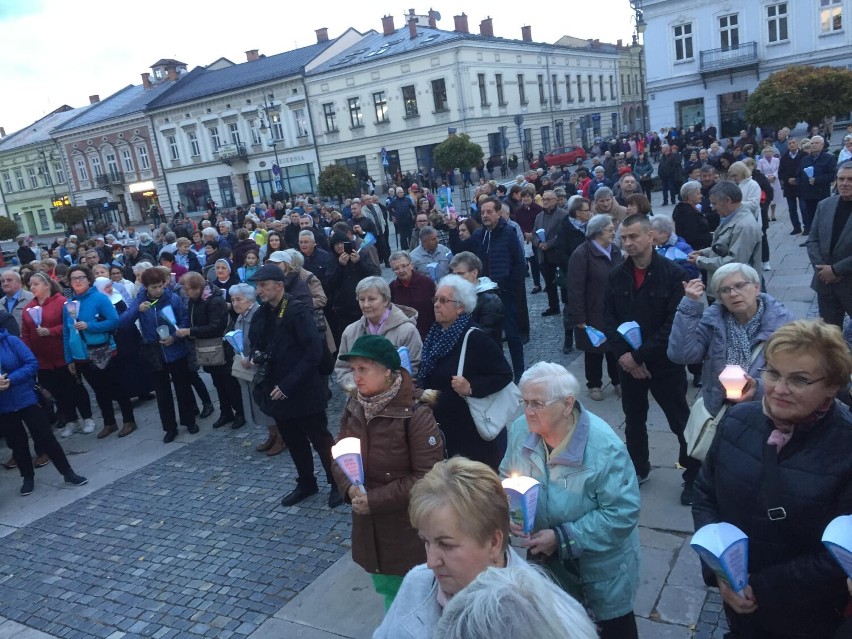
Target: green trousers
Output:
[{"x": 387, "y": 586}]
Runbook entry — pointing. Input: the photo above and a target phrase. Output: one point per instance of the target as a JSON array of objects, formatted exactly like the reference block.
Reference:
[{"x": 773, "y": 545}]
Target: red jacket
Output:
[{"x": 48, "y": 350}]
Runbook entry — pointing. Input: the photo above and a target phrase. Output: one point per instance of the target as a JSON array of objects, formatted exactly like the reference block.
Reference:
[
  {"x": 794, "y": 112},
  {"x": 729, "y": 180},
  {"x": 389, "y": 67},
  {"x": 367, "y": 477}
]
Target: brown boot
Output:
[
  {"x": 128, "y": 428},
  {"x": 108, "y": 430},
  {"x": 278, "y": 446},
  {"x": 10, "y": 464},
  {"x": 273, "y": 433}
]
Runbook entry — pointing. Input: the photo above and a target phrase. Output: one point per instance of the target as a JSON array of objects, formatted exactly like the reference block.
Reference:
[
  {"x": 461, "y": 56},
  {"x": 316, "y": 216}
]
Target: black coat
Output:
[
  {"x": 692, "y": 226},
  {"x": 653, "y": 307},
  {"x": 209, "y": 318},
  {"x": 341, "y": 287},
  {"x": 488, "y": 314},
  {"x": 568, "y": 239},
  {"x": 800, "y": 589},
  {"x": 586, "y": 282},
  {"x": 788, "y": 168},
  {"x": 294, "y": 347}
]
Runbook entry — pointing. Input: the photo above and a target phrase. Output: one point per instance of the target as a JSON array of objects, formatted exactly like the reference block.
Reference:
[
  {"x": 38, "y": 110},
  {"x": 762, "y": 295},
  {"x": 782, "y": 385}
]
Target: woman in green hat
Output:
[{"x": 400, "y": 442}]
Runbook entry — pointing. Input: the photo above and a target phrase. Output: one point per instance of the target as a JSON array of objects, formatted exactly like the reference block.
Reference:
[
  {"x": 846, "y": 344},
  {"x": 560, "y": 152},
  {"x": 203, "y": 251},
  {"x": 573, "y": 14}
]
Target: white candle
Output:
[{"x": 734, "y": 381}]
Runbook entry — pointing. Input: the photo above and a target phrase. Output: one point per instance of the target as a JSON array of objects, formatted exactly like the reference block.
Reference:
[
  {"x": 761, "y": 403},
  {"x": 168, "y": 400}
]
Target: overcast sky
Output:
[{"x": 55, "y": 52}]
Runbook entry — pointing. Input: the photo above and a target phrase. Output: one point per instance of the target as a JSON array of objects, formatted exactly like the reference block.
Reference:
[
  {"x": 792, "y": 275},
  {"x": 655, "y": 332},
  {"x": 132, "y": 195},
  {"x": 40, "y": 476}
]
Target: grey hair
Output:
[
  {"x": 144, "y": 237},
  {"x": 171, "y": 237},
  {"x": 727, "y": 190},
  {"x": 227, "y": 224},
  {"x": 141, "y": 267},
  {"x": 521, "y": 602},
  {"x": 603, "y": 192},
  {"x": 464, "y": 291},
  {"x": 847, "y": 138},
  {"x": 664, "y": 224},
  {"x": 244, "y": 290},
  {"x": 427, "y": 231},
  {"x": 297, "y": 257},
  {"x": 733, "y": 268},
  {"x": 689, "y": 188},
  {"x": 468, "y": 260},
  {"x": 740, "y": 169},
  {"x": 555, "y": 377},
  {"x": 307, "y": 233},
  {"x": 376, "y": 282},
  {"x": 596, "y": 225},
  {"x": 209, "y": 232},
  {"x": 399, "y": 255}
]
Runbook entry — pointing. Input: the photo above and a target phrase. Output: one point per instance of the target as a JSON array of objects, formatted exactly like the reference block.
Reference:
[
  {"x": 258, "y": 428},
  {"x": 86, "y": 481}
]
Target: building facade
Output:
[
  {"x": 383, "y": 105},
  {"x": 705, "y": 57}
]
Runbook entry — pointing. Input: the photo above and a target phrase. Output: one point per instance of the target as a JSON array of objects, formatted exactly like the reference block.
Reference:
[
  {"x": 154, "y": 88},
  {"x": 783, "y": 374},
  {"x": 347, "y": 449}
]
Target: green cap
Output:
[{"x": 376, "y": 348}]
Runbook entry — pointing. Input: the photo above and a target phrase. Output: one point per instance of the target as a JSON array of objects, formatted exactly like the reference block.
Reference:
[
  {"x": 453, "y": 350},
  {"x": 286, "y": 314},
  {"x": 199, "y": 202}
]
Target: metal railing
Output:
[{"x": 729, "y": 57}]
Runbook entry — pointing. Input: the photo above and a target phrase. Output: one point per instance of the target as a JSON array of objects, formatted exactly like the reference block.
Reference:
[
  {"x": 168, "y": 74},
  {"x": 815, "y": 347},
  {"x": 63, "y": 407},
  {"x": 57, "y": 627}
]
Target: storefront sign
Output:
[{"x": 138, "y": 187}]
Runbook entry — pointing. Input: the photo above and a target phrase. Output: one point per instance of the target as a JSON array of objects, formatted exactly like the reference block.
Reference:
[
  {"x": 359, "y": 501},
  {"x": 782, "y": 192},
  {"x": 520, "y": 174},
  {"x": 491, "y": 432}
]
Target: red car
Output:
[{"x": 562, "y": 156}]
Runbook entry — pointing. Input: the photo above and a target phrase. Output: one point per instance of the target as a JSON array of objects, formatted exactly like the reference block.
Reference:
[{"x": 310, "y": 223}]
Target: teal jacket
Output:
[{"x": 590, "y": 496}]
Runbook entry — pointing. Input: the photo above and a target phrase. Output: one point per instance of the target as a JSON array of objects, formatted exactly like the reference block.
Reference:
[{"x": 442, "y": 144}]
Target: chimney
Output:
[
  {"x": 2, "y": 132},
  {"x": 486, "y": 28},
  {"x": 252, "y": 55},
  {"x": 146, "y": 80},
  {"x": 526, "y": 34},
  {"x": 94, "y": 99},
  {"x": 387, "y": 25},
  {"x": 322, "y": 34},
  {"x": 412, "y": 27},
  {"x": 620, "y": 43},
  {"x": 171, "y": 72},
  {"x": 433, "y": 19},
  {"x": 461, "y": 23}
]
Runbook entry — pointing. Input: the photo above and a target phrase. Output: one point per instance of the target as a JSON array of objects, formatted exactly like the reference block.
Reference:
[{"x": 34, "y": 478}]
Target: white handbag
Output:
[{"x": 493, "y": 413}]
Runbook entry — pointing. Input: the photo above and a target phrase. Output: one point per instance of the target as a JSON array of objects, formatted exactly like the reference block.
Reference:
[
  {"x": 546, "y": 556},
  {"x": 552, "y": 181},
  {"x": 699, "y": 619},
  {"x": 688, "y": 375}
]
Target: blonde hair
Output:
[
  {"x": 824, "y": 341},
  {"x": 740, "y": 170},
  {"x": 472, "y": 489}
]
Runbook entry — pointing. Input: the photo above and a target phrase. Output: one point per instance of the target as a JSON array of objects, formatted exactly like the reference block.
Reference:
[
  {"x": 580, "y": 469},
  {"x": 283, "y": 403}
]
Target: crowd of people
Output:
[{"x": 430, "y": 519}]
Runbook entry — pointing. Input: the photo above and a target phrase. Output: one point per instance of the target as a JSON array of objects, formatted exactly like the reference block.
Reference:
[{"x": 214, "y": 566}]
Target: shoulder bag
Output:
[
  {"x": 210, "y": 351},
  {"x": 492, "y": 413},
  {"x": 701, "y": 426}
]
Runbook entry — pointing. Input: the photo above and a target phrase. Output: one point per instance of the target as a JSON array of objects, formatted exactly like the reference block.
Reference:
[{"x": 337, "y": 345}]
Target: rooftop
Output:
[{"x": 40, "y": 130}]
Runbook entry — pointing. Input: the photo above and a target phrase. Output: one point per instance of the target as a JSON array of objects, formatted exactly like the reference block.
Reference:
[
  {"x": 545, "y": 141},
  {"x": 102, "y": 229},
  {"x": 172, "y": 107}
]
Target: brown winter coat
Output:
[
  {"x": 588, "y": 271},
  {"x": 398, "y": 447}
]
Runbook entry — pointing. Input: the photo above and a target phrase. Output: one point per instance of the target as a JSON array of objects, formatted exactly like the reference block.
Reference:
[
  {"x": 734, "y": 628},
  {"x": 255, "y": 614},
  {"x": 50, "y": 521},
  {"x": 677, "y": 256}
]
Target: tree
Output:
[
  {"x": 8, "y": 229},
  {"x": 336, "y": 180},
  {"x": 70, "y": 215},
  {"x": 457, "y": 152},
  {"x": 800, "y": 94}
]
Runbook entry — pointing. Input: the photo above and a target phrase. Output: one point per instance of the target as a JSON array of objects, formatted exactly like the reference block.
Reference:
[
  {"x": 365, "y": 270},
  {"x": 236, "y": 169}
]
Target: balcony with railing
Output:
[
  {"x": 113, "y": 178},
  {"x": 730, "y": 60}
]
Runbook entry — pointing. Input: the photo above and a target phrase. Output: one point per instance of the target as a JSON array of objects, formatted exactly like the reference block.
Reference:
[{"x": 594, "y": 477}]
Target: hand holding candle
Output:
[
  {"x": 35, "y": 313},
  {"x": 72, "y": 306},
  {"x": 522, "y": 492},
  {"x": 347, "y": 454},
  {"x": 734, "y": 381}
]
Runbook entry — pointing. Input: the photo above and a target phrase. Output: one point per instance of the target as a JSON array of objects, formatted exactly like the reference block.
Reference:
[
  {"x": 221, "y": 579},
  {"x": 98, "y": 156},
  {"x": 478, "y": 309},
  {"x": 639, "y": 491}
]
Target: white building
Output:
[
  {"x": 704, "y": 57},
  {"x": 384, "y": 104}
]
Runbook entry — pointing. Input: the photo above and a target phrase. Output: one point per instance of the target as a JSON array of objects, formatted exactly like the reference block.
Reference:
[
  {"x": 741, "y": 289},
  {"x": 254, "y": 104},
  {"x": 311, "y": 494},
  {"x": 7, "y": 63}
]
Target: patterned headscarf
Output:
[
  {"x": 739, "y": 337},
  {"x": 439, "y": 343}
]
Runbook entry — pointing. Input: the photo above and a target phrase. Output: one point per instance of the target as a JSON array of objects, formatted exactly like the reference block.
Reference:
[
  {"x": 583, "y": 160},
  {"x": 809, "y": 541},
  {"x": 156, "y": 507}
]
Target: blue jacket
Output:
[
  {"x": 20, "y": 366},
  {"x": 500, "y": 251},
  {"x": 590, "y": 496},
  {"x": 97, "y": 311},
  {"x": 683, "y": 246},
  {"x": 824, "y": 166},
  {"x": 152, "y": 318},
  {"x": 699, "y": 336}
]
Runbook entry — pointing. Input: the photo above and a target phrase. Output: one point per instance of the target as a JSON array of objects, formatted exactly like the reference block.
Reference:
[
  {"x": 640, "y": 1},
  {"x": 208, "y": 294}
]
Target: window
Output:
[
  {"x": 612, "y": 87},
  {"x": 483, "y": 90},
  {"x": 112, "y": 166},
  {"x": 144, "y": 162},
  {"x": 33, "y": 176},
  {"x": 541, "y": 97},
  {"x": 683, "y": 42},
  {"x": 82, "y": 172},
  {"x": 127, "y": 158},
  {"x": 409, "y": 98},
  {"x": 214, "y": 137},
  {"x": 629, "y": 85},
  {"x": 60, "y": 172},
  {"x": 277, "y": 126},
  {"x": 97, "y": 169},
  {"x": 636, "y": 84},
  {"x": 555, "y": 83},
  {"x": 7, "y": 181},
  {"x": 591, "y": 88},
  {"x": 545, "y": 138},
  {"x": 174, "y": 152},
  {"x": 234, "y": 132},
  {"x": 601, "y": 86},
  {"x": 42, "y": 220},
  {"x": 355, "y": 116},
  {"x": 776, "y": 21},
  {"x": 330, "y": 117},
  {"x": 44, "y": 170},
  {"x": 522, "y": 91},
  {"x": 498, "y": 80},
  {"x": 255, "y": 133},
  {"x": 195, "y": 148},
  {"x": 380, "y": 104},
  {"x": 568, "y": 93},
  {"x": 439, "y": 95},
  {"x": 560, "y": 133},
  {"x": 301, "y": 123},
  {"x": 830, "y": 15},
  {"x": 729, "y": 32}
]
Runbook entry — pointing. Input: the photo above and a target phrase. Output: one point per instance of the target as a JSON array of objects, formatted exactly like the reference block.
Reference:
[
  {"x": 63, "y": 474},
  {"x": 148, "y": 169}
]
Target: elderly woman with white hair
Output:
[
  {"x": 689, "y": 221},
  {"x": 586, "y": 524},
  {"x": 604, "y": 202},
  {"x": 396, "y": 322},
  {"x": 485, "y": 370},
  {"x": 740, "y": 174}
]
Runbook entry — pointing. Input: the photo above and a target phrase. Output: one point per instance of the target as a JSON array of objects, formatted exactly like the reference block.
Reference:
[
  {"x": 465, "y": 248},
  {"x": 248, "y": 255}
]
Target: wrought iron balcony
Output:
[
  {"x": 107, "y": 180},
  {"x": 730, "y": 60},
  {"x": 230, "y": 152}
]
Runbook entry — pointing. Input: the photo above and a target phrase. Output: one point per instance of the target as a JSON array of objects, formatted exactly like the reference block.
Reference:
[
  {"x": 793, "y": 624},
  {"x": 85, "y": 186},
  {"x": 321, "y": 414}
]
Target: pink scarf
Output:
[{"x": 783, "y": 431}]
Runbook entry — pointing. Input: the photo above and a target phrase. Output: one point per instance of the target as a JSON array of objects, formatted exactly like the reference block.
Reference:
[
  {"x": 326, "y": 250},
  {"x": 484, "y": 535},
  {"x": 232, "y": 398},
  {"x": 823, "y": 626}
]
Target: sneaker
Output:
[
  {"x": 795, "y": 231},
  {"x": 69, "y": 429},
  {"x": 596, "y": 394},
  {"x": 75, "y": 479},
  {"x": 643, "y": 477},
  {"x": 767, "y": 266},
  {"x": 28, "y": 486},
  {"x": 88, "y": 426},
  {"x": 549, "y": 312},
  {"x": 688, "y": 495}
]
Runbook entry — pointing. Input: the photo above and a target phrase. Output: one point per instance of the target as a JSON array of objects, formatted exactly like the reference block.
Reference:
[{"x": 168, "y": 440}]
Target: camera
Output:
[
  {"x": 263, "y": 362},
  {"x": 348, "y": 247}
]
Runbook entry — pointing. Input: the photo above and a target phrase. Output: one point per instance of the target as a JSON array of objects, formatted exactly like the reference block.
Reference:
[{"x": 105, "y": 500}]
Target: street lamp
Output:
[
  {"x": 263, "y": 111},
  {"x": 635, "y": 48}
]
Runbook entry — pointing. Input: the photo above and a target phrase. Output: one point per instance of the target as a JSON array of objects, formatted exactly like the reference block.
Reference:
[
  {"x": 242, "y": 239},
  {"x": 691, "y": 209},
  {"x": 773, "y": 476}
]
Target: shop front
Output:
[{"x": 143, "y": 195}]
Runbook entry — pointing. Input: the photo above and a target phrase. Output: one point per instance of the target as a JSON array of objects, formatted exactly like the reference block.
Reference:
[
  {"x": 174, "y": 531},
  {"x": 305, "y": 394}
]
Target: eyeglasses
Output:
[
  {"x": 536, "y": 405},
  {"x": 78, "y": 278},
  {"x": 793, "y": 382},
  {"x": 739, "y": 287},
  {"x": 443, "y": 300}
]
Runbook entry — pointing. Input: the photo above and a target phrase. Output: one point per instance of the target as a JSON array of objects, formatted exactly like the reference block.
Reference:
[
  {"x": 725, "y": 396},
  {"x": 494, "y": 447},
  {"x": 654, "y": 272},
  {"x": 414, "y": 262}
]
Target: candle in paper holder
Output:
[
  {"x": 35, "y": 314},
  {"x": 73, "y": 307},
  {"x": 734, "y": 381},
  {"x": 522, "y": 492},
  {"x": 235, "y": 339},
  {"x": 163, "y": 332},
  {"x": 631, "y": 333},
  {"x": 838, "y": 539},
  {"x": 595, "y": 336},
  {"x": 724, "y": 548},
  {"x": 168, "y": 314},
  {"x": 347, "y": 454}
]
